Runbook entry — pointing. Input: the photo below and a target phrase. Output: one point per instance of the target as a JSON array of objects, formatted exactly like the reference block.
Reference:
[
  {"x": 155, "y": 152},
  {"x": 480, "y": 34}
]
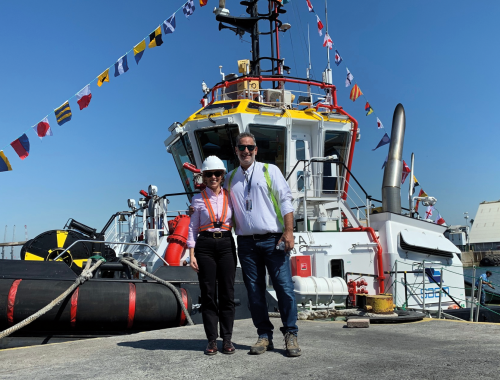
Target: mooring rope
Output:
[
  {"x": 128, "y": 262},
  {"x": 84, "y": 276}
]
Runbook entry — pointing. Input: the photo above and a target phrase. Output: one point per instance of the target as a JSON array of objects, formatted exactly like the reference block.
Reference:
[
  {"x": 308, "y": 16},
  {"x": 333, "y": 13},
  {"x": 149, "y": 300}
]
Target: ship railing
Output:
[
  {"x": 251, "y": 88},
  {"x": 110, "y": 242}
]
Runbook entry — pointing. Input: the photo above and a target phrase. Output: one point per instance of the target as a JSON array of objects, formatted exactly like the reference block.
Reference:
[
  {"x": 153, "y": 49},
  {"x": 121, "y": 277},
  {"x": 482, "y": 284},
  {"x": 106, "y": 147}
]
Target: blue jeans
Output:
[{"x": 255, "y": 256}]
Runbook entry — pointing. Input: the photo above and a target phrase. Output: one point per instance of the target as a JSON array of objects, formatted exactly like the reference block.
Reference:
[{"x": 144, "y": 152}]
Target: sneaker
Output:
[
  {"x": 262, "y": 345},
  {"x": 292, "y": 345},
  {"x": 227, "y": 347},
  {"x": 211, "y": 348}
]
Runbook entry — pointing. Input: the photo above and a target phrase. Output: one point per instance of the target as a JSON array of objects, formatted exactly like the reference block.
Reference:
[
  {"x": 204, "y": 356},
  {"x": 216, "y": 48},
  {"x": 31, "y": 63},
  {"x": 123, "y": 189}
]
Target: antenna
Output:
[
  {"x": 5, "y": 241},
  {"x": 309, "y": 48},
  {"x": 326, "y": 19},
  {"x": 13, "y": 240}
]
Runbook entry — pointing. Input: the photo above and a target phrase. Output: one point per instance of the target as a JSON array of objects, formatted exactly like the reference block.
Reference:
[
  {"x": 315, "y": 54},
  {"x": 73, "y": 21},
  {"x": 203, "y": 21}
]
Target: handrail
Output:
[{"x": 109, "y": 242}]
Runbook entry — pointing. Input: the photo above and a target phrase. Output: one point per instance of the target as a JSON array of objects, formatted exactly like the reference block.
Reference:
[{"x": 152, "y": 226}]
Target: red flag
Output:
[
  {"x": 440, "y": 220},
  {"x": 320, "y": 26},
  {"x": 203, "y": 3},
  {"x": 406, "y": 171},
  {"x": 309, "y": 6},
  {"x": 83, "y": 97}
]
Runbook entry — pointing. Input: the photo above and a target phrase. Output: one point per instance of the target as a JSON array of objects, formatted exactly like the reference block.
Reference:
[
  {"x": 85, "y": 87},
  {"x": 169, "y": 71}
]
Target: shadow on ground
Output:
[{"x": 175, "y": 344}]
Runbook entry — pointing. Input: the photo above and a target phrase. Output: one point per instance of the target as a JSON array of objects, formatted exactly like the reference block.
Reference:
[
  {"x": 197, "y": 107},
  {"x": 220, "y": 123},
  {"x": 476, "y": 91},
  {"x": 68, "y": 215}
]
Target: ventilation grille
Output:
[{"x": 426, "y": 251}]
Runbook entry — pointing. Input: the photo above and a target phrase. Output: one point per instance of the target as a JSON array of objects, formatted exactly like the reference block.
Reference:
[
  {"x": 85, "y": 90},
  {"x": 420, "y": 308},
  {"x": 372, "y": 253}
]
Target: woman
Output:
[{"x": 213, "y": 255}]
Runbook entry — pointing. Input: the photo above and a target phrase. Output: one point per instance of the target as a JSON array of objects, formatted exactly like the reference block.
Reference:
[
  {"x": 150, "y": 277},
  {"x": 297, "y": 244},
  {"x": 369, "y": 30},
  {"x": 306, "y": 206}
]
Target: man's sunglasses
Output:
[
  {"x": 217, "y": 173},
  {"x": 241, "y": 148}
]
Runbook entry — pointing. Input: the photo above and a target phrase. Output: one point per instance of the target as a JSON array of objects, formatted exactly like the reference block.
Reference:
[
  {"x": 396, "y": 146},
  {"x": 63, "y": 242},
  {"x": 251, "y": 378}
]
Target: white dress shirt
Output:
[{"x": 262, "y": 218}]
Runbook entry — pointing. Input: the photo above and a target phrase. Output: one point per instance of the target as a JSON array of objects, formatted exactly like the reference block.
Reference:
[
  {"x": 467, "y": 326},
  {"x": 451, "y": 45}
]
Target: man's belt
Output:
[
  {"x": 216, "y": 235},
  {"x": 262, "y": 236}
]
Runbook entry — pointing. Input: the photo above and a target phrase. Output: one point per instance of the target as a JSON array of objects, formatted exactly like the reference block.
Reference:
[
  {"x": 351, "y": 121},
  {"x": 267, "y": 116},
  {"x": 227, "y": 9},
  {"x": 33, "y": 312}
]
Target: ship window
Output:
[
  {"x": 335, "y": 144},
  {"x": 182, "y": 152},
  {"x": 300, "y": 150},
  {"x": 300, "y": 180},
  {"x": 227, "y": 106},
  {"x": 271, "y": 144},
  {"x": 219, "y": 141}
]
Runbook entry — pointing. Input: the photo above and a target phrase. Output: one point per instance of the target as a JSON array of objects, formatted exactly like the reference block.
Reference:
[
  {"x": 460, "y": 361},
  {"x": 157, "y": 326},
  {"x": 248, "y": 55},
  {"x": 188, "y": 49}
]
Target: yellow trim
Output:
[
  {"x": 31, "y": 257},
  {"x": 61, "y": 238},
  {"x": 243, "y": 108},
  {"x": 80, "y": 262}
]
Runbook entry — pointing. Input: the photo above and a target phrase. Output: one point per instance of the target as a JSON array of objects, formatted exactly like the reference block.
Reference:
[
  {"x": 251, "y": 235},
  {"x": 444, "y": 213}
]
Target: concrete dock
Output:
[{"x": 430, "y": 349}]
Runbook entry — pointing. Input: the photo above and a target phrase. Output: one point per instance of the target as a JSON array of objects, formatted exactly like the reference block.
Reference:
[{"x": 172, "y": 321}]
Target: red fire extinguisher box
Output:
[{"x": 301, "y": 266}]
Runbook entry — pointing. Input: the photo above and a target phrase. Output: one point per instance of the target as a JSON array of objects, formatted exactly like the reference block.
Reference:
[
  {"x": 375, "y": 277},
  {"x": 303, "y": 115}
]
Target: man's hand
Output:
[
  {"x": 194, "y": 264},
  {"x": 287, "y": 237}
]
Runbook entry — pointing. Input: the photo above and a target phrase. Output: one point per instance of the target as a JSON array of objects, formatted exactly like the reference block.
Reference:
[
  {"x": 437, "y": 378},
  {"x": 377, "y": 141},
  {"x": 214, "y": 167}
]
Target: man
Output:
[
  {"x": 263, "y": 214},
  {"x": 484, "y": 278}
]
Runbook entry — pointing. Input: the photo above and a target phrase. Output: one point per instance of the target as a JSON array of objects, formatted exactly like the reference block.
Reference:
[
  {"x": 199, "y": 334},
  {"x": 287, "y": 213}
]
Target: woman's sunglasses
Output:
[
  {"x": 217, "y": 173},
  {"x": 241, "y": 148}
]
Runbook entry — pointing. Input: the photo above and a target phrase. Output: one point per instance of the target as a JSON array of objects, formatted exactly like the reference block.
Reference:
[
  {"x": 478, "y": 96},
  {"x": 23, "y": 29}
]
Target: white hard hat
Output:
[{"x": 212, "y": 163}]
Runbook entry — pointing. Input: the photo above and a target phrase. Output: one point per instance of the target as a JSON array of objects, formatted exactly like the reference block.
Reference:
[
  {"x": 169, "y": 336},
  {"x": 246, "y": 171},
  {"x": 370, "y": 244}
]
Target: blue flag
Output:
[
  {"x": 385, "y": 140},
  {"x": 121, "y": 66},
  {"x": 338, "y": 58},
  {"x": 169, "y": 25}
]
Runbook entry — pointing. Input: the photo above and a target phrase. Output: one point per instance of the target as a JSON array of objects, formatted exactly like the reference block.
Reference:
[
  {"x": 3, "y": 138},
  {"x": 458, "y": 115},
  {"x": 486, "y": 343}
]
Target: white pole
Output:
[
  {"x": 472, "y": 293},
  {"x": 396, "y": 283},
  {"x": 440, "y": 292},
  {"x": 410, "y": 192},
  {"x": 326, "y": 19},
  {"x": 423, "y": 285},
  {"x": 479, "y": 298},
  {"x": 5, "y": 241}
]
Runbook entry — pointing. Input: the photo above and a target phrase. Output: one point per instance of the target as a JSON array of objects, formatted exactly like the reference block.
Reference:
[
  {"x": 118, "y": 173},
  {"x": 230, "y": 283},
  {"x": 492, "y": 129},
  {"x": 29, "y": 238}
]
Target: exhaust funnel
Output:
[{"x": 391, "y": 186}]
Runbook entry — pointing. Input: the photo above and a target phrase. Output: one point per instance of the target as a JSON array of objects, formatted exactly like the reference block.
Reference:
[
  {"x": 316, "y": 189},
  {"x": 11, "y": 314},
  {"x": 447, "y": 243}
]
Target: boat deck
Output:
[{"x": 430, "y": 349}]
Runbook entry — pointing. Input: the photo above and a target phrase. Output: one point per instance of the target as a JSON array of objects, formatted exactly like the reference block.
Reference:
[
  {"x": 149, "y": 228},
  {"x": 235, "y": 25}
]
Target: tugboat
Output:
[{"x": 343, "y": 248}]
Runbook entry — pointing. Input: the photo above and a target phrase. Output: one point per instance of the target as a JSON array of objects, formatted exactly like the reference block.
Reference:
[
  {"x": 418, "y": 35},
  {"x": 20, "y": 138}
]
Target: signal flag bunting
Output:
[
  {"x": 21, "y": 146},
  {"x": 42, "y": 129},
  {"x": 4, "y": 163}
]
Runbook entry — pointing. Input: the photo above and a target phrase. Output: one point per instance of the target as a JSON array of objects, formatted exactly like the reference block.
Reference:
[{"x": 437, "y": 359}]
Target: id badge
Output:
[{"x": 248, "y": 204}]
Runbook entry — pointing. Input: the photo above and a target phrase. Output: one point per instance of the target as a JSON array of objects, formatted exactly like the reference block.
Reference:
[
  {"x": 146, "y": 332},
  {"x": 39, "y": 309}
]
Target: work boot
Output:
[
  {"x": 228, "y": 347},
  {"x": 262, "y": 345},
  {"x": 292, "y": 345},
  {"x": 211, "y": 348}
]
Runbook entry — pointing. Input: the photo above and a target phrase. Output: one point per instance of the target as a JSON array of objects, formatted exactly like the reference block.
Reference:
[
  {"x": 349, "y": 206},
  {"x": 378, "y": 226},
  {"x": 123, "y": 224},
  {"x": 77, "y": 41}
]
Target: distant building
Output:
[
  {"x": 457, "y": 235},
  {"x": 485, "y": 232}
]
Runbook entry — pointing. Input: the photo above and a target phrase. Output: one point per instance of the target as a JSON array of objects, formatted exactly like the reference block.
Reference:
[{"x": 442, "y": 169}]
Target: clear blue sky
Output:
[{"x": 439, "y": 59}]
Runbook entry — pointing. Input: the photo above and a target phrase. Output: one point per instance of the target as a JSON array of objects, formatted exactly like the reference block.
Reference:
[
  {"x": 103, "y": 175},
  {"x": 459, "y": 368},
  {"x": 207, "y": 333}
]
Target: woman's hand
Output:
[{"x": 194, "y": 264}]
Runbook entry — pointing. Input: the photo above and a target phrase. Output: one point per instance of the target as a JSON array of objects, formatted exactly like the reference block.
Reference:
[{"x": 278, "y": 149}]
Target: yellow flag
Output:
[{"x": 104, "y": 77}]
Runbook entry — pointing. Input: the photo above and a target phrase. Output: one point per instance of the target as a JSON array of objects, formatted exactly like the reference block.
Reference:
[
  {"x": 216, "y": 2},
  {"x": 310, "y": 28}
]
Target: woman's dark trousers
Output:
[{"x": 217, "y": 267}]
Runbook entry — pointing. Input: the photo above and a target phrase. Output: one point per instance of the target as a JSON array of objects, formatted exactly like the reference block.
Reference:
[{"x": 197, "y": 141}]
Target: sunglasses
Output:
[
  {"x": 217, "y": 173},
  {"x": 251, "y": 148}
]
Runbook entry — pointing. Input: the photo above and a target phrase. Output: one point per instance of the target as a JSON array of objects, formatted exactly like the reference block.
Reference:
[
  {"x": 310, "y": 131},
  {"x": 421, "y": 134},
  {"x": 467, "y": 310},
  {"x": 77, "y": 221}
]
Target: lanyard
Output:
[{"x": 250, "y": 181}]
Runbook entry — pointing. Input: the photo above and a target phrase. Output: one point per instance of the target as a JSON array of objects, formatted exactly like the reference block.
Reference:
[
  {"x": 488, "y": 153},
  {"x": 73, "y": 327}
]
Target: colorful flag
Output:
[
  {"x": 429, "y": 211},
  {"x": 203, "y": 3},
  {"x": 385, "y": 162},
  {"x": 415, "y": 183},
  {"x": 4, "y": 163},
  {"x": 83, "y": 97},
  {"x": 320, "y": 27},
  {"x": 405, "y": 172},
  {"x": 338, "y": 58},
  {"x": 139, "y": 51},
  {"x": 188, "y": 8},
  {"x": 21, "y": 146},
  {"x": 421, "y": 194},
  {"x": 385, "y": 140},
  {"x": 328, "y": 41},
  {"x": 63, "y": 113},
  {"x": 368, "y": 108},
  {"x": 42, "y": 129},
  {"x": 309, "y": 6},
  {"x": 349, "y": 78},
  {"x": 121, "y": 66},
  {"x": 355, "y": 93},
  {"x": 379, "y": 124},
  {"x": 155, "y": 38},
  {"x": 103, "y": 77},
  {"x": 440, "y": 220},
  {"x": 169, "y": 25}
]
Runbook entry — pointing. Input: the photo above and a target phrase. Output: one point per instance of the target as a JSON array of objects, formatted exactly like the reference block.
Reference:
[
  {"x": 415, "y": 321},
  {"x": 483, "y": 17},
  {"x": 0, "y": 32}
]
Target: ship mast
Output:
[{"x": 328, "y": 72}]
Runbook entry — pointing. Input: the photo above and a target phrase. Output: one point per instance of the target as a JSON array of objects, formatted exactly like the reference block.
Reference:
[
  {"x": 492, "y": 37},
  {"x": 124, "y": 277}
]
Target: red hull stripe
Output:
[
  {"x": 185, "y": 302},
  {"x": 74, "y": 307},
  {"x": 131, "y": 305},
  {"x": 11, "y": 300}
]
